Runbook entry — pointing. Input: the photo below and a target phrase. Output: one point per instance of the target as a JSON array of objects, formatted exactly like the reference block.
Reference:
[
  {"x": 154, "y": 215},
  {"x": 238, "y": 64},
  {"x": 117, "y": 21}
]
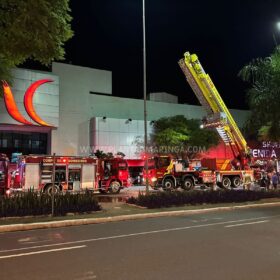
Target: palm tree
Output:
[{"x": 263, "y": 74}]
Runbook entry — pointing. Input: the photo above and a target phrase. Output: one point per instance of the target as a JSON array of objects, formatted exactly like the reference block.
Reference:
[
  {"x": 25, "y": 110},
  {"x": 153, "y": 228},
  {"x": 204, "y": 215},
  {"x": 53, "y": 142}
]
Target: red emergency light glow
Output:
[
  {"x": 11, "y": 105},
  {"x": 28, "y": 102}
]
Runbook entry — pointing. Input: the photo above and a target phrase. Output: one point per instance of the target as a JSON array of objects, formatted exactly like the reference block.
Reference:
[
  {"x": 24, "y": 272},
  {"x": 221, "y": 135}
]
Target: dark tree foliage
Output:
[
  {"x": 263, "y": 76},
  {"x": 178, "y": 131},
  {"x": 35, "y": 30},
  {"x": 103, "y": 155}
]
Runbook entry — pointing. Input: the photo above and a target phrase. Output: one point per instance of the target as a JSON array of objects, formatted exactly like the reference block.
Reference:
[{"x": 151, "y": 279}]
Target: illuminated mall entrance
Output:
[{"x": 23, "y": 140}]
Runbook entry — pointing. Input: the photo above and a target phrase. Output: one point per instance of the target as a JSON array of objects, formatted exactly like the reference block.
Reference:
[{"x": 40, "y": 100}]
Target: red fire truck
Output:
[
  {"x": 70, "y": 173},
  {"x": 169, "y": 173},
  {"x": 234, "y": 171},
  {"x": 36, "y": 172},
  {"x": 113, "y": 175}
]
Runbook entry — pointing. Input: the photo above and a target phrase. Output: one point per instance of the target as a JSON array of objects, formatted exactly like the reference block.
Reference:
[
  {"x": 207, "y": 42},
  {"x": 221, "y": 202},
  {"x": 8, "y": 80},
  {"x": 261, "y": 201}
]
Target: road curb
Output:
[{"x": 78, "y": 222}]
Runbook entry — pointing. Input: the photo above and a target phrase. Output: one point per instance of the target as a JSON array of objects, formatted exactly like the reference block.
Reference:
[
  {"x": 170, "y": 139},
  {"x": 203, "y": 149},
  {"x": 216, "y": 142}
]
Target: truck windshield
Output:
[
  {"x": 162, "y": 162},
  {"x": 151, "y": 164}
]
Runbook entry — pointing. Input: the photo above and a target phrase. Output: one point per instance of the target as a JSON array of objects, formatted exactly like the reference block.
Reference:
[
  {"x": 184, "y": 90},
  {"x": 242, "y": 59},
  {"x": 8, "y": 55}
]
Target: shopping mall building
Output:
[{"x": 71, "y": 111}]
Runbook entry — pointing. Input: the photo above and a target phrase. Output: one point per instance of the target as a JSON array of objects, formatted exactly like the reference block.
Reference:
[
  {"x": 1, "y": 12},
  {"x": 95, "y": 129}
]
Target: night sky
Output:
[{"x": 224, "y": 34}]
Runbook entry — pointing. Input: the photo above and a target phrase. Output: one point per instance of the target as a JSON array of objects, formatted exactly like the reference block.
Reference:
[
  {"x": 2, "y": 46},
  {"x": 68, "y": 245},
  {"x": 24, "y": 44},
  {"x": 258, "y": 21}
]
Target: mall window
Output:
[{"x": 23, "y": 142}]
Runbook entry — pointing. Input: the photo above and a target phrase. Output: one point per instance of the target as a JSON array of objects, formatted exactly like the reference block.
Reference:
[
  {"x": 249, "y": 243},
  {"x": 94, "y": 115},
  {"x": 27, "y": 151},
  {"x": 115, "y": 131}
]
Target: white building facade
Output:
[{"x": 84, "y": 115}]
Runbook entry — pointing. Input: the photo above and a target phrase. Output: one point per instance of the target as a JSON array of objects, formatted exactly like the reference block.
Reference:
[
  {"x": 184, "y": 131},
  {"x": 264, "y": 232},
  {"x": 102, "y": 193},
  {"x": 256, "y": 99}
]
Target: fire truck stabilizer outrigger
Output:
[
  {"x": 68, "y": 173},
  {"x": 230, "y": 172}
]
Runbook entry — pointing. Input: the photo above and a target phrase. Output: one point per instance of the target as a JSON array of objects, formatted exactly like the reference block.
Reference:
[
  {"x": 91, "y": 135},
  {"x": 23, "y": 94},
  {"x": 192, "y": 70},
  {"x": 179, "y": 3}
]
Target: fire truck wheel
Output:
[
  {"x": 48, "y": 189},
  {"x": 226, "y": 183},
  {"x": 188, "y": 184},
  {"x": 168, "y": 184},
  {"x": 236, "y": 181},
  {"x": 115, "y": 187}
]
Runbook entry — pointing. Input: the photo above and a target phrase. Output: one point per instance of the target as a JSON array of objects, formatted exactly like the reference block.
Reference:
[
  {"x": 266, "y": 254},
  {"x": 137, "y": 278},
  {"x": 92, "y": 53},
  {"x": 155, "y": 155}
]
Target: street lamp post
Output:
[
  {"x": 273, "y": 34},
  {"x": 145, "y": 97}
]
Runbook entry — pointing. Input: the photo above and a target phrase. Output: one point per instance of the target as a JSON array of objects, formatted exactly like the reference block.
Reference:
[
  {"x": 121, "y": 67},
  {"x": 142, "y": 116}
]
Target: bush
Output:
[
  {"x": 168, "y": 199},
  {"x": 32, "y": 204}
]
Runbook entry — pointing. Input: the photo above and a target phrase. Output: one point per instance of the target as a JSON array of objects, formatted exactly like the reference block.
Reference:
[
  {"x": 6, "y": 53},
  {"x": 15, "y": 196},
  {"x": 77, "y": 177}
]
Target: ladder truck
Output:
[
  {"x": 169, "y": 173},
  {"x": 233, "y": 172}
]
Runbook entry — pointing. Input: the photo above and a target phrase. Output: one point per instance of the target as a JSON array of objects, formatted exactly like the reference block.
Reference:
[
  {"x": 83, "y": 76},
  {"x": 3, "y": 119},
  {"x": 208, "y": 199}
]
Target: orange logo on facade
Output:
[{"x": 12, "y": 108}]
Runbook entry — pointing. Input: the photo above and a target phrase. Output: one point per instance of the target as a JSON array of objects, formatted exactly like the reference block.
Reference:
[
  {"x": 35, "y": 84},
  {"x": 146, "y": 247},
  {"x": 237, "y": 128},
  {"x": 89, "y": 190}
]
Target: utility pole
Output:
[
  {"x": 145, "y": 97},
  {"x": 53, "y": 179}
]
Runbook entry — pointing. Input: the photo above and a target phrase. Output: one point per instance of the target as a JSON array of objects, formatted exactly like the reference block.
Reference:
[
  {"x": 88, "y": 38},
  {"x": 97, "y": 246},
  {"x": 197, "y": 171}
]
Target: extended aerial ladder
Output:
[{"x": 218, "y": 115}]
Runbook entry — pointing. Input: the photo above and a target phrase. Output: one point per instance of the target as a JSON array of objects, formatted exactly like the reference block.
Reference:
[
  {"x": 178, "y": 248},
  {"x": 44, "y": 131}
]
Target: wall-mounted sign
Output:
[
  {"x": 265, "y": 149},
  {"x": 12, "y": 108}
]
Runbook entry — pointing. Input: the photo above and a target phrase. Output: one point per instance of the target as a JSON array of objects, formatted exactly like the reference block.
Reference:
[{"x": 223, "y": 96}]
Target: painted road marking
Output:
[
  {"x": 42, "y": 252},
  {"x": 245, "y": 224},
  {"x": 133, "y": 234},
  {"x": 87, "y": 275},
  {"x": 24, "y": 239},
  {"x": 32, "y": 240}
]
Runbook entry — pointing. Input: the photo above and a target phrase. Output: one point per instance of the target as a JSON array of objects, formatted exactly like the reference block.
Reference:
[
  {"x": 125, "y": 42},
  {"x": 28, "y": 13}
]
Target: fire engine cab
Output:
[{"x": 113, "y": 175}]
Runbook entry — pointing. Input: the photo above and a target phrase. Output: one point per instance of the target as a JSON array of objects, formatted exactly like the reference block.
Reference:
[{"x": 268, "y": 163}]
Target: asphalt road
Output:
[{"x": 230, "y": 245}]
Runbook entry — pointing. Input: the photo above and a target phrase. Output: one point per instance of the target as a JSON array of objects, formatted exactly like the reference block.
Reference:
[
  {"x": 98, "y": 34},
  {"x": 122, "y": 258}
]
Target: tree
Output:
[
  {"x": 34, "y": 30},
  {"x": 120, "y": 154},
  {"x": 100, "y": 154},
  {"x": 263, "y": 75},
  {"x": 180, "y": 136}
]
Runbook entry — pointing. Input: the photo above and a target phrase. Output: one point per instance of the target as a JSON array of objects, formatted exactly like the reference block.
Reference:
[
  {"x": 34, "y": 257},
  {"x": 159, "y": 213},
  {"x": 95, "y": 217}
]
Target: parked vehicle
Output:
[
  {"x": 68, "y": 173},
  {"x": 170, "y": 173},
  {"x": 39, "y": 172},
  {"x": 230, "y": 172}
]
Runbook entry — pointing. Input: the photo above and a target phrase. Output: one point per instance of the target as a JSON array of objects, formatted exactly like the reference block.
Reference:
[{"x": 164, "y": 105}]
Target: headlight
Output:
[
  {"x": 8, "y": 192},
  {"x": 154, "y": 179}
]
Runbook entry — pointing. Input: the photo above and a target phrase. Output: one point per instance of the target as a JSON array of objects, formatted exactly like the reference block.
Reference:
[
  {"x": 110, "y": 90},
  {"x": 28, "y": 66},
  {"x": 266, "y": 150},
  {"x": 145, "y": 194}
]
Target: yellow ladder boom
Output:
[{"x": 210, "y": 99}]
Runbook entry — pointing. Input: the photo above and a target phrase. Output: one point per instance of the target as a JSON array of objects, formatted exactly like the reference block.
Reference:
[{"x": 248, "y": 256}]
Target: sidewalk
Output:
[{"x": 117, "y": 211}]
